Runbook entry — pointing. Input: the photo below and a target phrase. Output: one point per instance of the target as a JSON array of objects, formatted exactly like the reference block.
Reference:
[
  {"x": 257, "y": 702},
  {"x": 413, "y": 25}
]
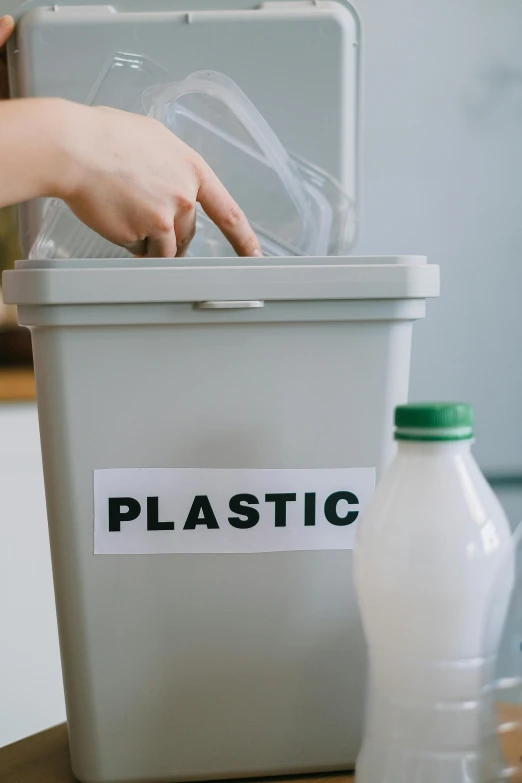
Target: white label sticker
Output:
[{"x": 198, "y": 510}]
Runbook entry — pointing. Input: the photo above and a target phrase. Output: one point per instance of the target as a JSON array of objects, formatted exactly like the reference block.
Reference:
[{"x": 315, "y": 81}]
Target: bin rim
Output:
[{"x": 134, "y": 281}]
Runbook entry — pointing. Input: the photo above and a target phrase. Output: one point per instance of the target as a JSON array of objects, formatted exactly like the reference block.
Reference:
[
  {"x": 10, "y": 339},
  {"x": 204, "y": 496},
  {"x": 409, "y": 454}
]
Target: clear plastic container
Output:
[
  {"x": 294, "y": 207},
  {"x": 123, "y": 81}
]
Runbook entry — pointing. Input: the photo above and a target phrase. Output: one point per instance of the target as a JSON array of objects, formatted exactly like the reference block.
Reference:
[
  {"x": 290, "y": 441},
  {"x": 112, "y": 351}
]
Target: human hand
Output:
[
  {"x": 6, "y": 30},
  {"x": 135, "y": 183}
]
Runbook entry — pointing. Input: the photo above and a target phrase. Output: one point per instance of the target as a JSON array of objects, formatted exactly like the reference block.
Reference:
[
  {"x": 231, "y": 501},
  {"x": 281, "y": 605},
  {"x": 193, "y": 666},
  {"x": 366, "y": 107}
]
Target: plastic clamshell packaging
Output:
[{"x": 295, "y": 208}]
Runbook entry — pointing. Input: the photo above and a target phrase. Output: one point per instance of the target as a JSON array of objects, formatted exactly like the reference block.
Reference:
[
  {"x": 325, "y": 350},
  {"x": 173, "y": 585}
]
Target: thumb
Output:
[{"x": 6, "y": 29}]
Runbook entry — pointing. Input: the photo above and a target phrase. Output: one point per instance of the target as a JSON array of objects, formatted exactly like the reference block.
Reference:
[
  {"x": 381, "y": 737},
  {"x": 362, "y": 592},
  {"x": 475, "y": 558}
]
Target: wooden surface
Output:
[
  {"x": 17, "y": 386},
  {"x": 44, "y": 758},
  {"x": 510, "y": 734}
]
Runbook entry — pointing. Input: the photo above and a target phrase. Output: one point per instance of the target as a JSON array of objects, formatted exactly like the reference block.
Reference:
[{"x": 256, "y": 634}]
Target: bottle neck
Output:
[{"x": 429, "y": 447}]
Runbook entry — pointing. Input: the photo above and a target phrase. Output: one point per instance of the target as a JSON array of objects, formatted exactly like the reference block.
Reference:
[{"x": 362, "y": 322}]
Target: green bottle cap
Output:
[{"x": 434, "y": 421}]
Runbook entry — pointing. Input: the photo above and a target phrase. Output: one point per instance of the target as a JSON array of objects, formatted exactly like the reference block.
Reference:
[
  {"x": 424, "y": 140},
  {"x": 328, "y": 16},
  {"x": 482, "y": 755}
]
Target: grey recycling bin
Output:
[
  {"x": 205, "y": 463},
  {"x": 212, "y": 427}
]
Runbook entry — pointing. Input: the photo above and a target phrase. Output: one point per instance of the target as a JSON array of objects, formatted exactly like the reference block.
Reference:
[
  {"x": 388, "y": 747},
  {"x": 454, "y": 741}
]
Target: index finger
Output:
[{"x": 226, "y": 214}]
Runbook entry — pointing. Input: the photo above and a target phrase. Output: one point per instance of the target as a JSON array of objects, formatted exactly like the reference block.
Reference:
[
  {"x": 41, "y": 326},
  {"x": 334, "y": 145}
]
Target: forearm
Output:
[{"x": 34, "y": 161}]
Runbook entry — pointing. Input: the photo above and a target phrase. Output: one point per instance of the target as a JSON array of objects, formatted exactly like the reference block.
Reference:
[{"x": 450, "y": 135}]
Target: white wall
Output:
[
  {"x": 31, "y": 694},
  {"x": 442, "y": 176}
]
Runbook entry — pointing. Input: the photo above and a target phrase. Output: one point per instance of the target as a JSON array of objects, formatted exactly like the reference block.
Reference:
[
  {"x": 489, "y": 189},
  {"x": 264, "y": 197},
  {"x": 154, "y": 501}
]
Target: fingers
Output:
[
  {"x": 185, "y": 228},
  {"x": 169, "y": 242},
  {"x": 162, "y": 245},
  {"x": 138, "y": 249},
  {"x": 6, "y": 29},
  {"x": 173, "y": 243},
  {"x": 223, "y": 210}
]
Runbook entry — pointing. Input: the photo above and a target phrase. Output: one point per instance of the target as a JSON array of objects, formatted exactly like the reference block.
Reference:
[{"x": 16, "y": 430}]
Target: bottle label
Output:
[{"x": 199, "y": 510}]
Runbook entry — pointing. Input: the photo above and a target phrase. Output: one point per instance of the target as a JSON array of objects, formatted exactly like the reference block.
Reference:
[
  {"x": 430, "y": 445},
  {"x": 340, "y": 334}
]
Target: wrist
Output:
[
  {"x": 66, "y": 125},
  {"x": 41, "y": 148}
]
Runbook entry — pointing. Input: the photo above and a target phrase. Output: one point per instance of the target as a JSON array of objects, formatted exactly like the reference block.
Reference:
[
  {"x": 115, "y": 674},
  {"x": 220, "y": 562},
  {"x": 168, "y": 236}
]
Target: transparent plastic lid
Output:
[{"x": 294, "y": 207}]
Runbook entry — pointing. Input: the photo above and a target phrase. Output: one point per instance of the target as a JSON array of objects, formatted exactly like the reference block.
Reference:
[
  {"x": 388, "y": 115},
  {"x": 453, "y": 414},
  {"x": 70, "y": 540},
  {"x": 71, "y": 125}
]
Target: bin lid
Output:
[
  {"x": 135, "y": 281},
  {"x": 298, "y": 63}
]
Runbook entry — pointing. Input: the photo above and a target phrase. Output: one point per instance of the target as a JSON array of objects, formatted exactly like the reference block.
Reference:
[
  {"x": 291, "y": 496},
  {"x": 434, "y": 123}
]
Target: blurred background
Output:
[
  {"x": 442, "y": 176},
  {"x": 15, "y": 343}
]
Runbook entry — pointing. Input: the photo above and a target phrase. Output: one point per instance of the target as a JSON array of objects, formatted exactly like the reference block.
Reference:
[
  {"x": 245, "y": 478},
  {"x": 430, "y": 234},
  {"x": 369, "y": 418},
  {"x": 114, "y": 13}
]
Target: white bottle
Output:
[{"x": 429, "y": 546}]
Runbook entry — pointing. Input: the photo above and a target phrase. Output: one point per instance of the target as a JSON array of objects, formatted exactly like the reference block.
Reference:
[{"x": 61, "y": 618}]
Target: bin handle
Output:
[{"x": 237, "y": 305}]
